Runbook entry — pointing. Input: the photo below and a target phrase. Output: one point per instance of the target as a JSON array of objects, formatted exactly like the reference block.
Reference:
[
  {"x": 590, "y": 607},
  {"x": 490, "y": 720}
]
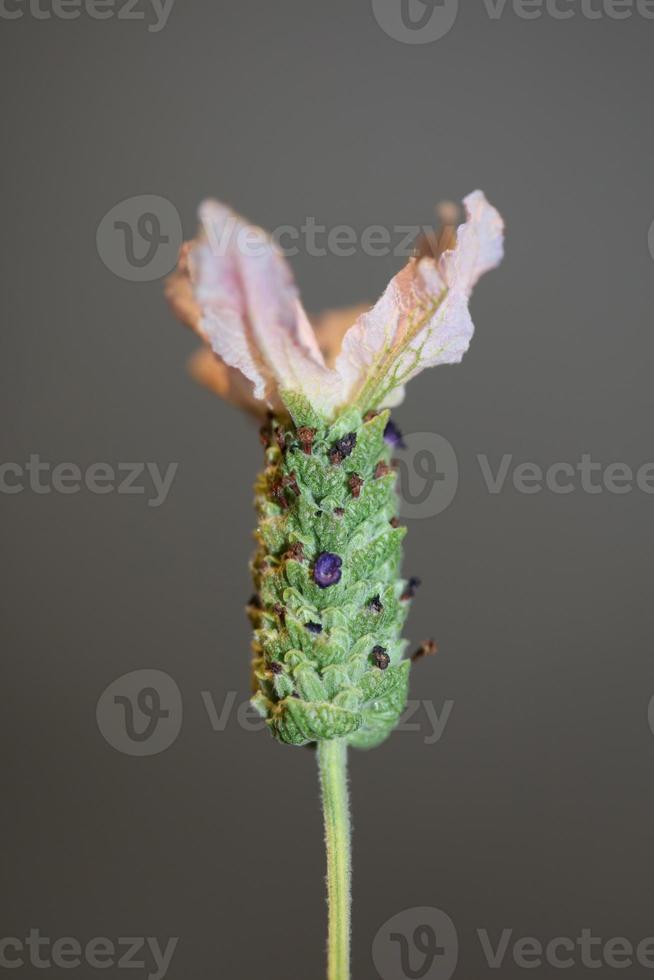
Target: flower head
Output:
[{"x": 234, "y": 288}]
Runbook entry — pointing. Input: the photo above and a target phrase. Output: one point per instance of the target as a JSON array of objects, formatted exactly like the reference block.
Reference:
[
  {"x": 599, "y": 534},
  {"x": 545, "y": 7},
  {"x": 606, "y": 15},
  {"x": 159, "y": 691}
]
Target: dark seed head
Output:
[
  {"x": 380, "y": 658},
  {"x": 275, "y": 667},
  {"x": 345, "y": 445},
  {"x": 339, "y": 512},
  {"x": 393, "y": 436},
  {"x": 327, "y": 569},
  {"x": 335, "y": 457},
  {"x": 314, "y": 627},
  {"x": 375, "y": 604}
]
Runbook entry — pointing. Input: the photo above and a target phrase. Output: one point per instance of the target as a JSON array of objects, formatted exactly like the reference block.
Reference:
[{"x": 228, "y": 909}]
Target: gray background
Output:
[{"x": 534, "y": 810}]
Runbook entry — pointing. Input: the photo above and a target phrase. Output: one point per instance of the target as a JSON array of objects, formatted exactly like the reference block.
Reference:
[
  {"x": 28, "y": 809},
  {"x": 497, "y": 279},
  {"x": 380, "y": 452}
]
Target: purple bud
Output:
[
  {"x": 393, "y": 436},
  {"x": 314, "y": 627},
  {"x": 327, "y": 569}
]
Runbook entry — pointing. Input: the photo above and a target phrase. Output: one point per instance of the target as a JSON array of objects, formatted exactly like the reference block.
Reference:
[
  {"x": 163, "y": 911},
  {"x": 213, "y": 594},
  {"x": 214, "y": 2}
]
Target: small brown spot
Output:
[
  {"x": 278, "y": 609},
  {"x": 335, "y": 457},
  {"x": 427, "y": 648},
  {"x": 295, "y": 552},
  {"x": 306, "y": 437},
  {"x": 290, "y": 481},
  {"x": 381, "y": 469},
  {"x": 255, "y": 601},
  {"x": 280, "y": 438},
  {"x": 278, "y": 495},
  {"x": 394, "y": 522},
  {"x": 339, "y": 512},
  {"x": 369, "y": 416},
  {"x": 275, "y": 667},
  {"x": 355, "y": 483}
]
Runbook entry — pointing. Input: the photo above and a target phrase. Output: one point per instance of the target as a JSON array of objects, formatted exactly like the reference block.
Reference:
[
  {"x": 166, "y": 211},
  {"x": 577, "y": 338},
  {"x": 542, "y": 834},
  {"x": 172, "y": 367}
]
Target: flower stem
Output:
[{"x": 332, "y": 760}]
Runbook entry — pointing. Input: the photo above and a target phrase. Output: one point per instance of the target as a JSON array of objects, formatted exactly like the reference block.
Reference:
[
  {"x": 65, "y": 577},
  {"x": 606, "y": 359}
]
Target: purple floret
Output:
[
  {"x": 393, "y": 436},
  {"x": 327, "y": 569},
  {"x": 314, "y": 627}
]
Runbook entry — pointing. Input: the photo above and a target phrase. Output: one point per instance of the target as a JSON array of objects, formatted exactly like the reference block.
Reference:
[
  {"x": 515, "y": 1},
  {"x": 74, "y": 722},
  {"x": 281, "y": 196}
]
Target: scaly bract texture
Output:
[{"x": 328, "y": 658}]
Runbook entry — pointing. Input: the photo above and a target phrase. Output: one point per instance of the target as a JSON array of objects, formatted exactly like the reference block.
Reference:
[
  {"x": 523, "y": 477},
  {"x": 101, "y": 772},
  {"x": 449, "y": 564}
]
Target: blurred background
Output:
[{"x": 518, "y": 794}]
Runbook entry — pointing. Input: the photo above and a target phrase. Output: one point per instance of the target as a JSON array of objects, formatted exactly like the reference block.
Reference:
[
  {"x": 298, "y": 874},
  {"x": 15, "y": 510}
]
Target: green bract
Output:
[{"x": 316, "y": 649}]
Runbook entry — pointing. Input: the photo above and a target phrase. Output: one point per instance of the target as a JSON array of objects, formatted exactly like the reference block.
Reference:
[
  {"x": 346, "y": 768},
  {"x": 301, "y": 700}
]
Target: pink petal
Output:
[
  {"x": 251, "y": 313},
  {"x": 422, "y": 319}
]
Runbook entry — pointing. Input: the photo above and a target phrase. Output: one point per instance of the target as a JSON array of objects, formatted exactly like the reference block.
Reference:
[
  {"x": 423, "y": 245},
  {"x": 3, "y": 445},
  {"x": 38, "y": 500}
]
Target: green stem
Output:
[{"x": 332, "y": 759}]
